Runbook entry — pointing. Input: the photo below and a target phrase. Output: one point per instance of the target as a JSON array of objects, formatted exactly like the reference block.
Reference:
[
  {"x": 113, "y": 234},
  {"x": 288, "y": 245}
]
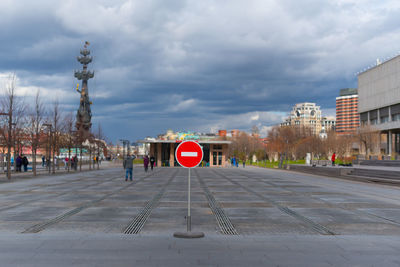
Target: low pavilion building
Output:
[{"x": 215, "y": 150}]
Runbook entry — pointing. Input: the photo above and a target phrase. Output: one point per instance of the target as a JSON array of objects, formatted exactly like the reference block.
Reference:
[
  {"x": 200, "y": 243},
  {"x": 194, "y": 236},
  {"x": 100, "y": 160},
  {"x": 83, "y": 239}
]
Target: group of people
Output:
[
  {"x": 20, "y": 161},
  {"x": 73, "y": 161},
  {"x": 128, "y": 164},
  {"x": 147, "y": 161},
  {"x": 235, "y": 162}
]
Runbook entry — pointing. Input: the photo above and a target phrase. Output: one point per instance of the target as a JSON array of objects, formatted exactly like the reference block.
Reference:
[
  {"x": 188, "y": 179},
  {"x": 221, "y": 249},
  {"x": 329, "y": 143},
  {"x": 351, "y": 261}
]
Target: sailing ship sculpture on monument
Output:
[{"x": 84, "y": 114}]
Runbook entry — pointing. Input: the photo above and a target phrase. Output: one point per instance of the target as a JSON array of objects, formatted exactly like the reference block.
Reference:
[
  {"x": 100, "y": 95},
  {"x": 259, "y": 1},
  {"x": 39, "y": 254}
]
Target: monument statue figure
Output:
[{"x": 84, "y": 113}]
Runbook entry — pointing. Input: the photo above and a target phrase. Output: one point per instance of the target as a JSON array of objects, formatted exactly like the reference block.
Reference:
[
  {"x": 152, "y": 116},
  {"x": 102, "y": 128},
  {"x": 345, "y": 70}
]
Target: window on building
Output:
[
  {"x": 384, "y": 119},
  {"x": 217, "y": 147},
  {"x": 396, "y": 117}
]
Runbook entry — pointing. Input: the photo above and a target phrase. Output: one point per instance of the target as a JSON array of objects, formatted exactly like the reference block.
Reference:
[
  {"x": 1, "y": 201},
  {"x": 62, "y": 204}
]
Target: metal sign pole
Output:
[
  {"x": 189, "y": 220},
  {"x": 189, "y": 155}
]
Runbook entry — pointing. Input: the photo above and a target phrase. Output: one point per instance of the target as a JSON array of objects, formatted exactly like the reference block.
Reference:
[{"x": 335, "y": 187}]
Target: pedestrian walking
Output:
[
  {"x": 146, "y": 163},
  {"x": 128, "y": 166},
  {"x": 25, "y": 162},
  {"x": 18, "y": 162},
  {"x": 152, "y": 162},
  {"x": 43, "y": 160},
  {"x": 76, "y": 162},
  {"x": 333, "y": 158}
]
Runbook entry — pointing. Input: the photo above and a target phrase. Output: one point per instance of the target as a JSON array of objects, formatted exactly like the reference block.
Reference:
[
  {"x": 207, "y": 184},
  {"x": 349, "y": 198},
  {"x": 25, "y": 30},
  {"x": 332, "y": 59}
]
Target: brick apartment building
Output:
[{"x": 347, "y": 117}]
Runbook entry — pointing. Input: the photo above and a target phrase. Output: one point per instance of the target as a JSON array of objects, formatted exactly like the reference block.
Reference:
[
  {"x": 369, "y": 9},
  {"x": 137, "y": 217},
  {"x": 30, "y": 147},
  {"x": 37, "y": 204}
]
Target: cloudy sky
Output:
[{"x": 194, "y": 65}]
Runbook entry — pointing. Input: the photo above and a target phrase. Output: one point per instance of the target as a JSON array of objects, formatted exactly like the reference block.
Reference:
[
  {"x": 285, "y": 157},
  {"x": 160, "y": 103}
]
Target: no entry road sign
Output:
[{"x": 189, "y": 154}]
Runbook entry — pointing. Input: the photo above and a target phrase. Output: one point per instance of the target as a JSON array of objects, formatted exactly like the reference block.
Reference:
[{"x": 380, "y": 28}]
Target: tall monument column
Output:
[{"x": 84, "y": 114}]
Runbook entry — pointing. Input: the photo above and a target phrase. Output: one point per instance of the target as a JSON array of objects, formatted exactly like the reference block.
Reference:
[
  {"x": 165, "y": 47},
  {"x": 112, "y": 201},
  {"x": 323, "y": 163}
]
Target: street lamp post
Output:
[
  {"x": 125, "y": 143},
  {"x": 15, "y": 145},
  {"x": 69, "y": 150},
  {"x": 49, "y": 143},
  {"x": 9, "y": 114},
  {"x": 80, "y": 157}
]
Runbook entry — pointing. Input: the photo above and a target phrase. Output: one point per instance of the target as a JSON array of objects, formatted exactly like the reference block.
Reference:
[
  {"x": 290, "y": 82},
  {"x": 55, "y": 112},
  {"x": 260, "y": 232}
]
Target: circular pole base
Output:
[{"x": 188, "y": 234}]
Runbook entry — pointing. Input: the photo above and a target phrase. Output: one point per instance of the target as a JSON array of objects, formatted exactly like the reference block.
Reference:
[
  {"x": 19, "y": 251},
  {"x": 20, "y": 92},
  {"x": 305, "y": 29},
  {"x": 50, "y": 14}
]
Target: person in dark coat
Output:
[
  {"x": 146, "y": 163},
  {"x": 75, "y": 161},
  {"x": 18, "y": 163},
  {"x": 25, "y": 162},
  {"x": 152, "y": 162}
]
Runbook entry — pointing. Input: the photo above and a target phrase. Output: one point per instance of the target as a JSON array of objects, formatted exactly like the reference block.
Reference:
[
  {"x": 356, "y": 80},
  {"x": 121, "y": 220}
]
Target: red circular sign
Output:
[{"x": 189, "y": 154}]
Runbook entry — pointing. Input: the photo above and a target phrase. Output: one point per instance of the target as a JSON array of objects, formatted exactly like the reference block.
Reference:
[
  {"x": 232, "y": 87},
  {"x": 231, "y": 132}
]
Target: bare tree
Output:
[
  {"x": 274, "y": 146},
  {"x": 100, "y": 144},
  {"x": 56, "y": 130},
  {"x": 81, "y": 137},
  {"x": 244, "y": 146},
  {"x": 294, "y": 142},
  {"x": 368, "y": 138},
  {"x": 343, "y": 146},
  {"x": 90, "y": 141},
  {"x": 69, "y": 124},
  {"x": 255, "y": 131},
  {"x": 13, "y": 107},
  {"x": 36, "y": 119}
]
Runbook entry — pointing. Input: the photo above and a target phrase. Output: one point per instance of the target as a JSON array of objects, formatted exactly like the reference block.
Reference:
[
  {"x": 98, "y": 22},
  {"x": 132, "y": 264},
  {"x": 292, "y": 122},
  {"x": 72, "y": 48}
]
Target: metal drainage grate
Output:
[
  {"x": 41, "y": 226},
  {"x": 224, "y": 222},
  {"x": 138, "y": 222}
]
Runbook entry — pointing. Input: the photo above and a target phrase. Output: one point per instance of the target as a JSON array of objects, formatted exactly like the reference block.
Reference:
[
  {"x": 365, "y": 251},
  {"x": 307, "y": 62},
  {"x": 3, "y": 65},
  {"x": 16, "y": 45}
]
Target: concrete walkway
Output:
[
  {"x": 280, "y": 218},
  {"x": 71, "y": 249}
]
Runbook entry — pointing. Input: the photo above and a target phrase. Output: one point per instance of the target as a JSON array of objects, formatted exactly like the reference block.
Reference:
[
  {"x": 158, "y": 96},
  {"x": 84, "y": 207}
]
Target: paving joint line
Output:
[
  {"x": 224, "y": 223},
  {"x": 356, "y": 211},
  {"x": 58, "y": 195},
  {"x": 136, "y": 225},
  {"x": 43, "y": 225},
  {"x": 306, "y": 221}
]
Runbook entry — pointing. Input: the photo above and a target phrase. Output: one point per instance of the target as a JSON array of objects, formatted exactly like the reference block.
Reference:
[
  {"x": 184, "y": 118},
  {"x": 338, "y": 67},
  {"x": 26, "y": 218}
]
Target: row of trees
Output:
[
  {"x": 244, "y": 146},
  {"x": 37, "y": 127},
  {"x": 296, "y": 142}
]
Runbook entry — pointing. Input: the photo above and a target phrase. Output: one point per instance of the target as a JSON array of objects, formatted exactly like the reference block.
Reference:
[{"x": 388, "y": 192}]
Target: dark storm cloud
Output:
[{"x": 195, "y": 65}]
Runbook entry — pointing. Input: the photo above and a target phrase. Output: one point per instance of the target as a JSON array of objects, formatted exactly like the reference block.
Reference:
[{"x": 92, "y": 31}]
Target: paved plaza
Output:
[{"x": 250, "y": 217}]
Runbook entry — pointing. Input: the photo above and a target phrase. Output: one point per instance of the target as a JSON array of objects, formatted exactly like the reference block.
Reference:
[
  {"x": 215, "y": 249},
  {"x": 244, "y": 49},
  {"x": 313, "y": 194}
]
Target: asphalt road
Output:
[{"x": 249, "y": 216}]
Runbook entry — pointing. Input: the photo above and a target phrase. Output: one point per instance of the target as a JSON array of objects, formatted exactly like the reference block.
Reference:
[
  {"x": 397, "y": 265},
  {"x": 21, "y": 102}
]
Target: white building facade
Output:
[
  {"x": 379, "y": 101},
  {"x": 309, "y": 115}
]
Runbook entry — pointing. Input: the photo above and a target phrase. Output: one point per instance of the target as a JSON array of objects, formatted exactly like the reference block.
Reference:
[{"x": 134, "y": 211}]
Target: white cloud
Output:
[
  {"x": 182, "y": 105},
  {"x": 244, "y": 121},
  {"x": 255, "y": 117}
]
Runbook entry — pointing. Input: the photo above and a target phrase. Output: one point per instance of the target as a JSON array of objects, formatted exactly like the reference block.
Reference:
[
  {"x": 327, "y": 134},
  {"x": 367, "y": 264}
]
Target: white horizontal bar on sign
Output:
[{"x": 188, "y": 154}]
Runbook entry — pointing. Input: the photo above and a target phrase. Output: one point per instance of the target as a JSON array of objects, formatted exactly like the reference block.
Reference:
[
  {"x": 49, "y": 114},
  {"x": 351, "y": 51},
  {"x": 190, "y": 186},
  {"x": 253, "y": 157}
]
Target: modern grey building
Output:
[{"x": 379, "y": 100}]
